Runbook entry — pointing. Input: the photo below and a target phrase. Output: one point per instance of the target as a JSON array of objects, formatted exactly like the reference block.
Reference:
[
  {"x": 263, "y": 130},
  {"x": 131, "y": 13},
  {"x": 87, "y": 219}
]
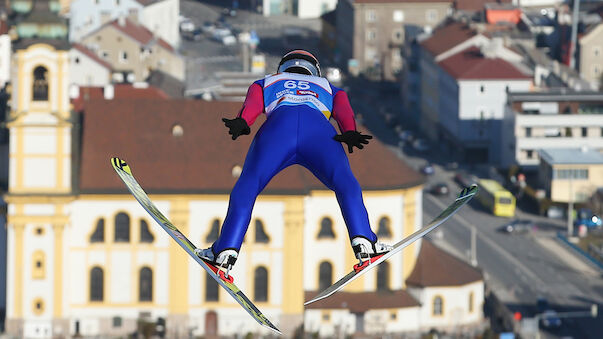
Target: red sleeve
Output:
[
  {"x": 253, "y": 105},
  {"x": 342, "y": 112}
]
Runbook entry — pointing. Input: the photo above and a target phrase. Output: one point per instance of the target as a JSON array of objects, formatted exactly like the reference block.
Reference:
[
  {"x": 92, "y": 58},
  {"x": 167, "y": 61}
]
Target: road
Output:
[{"x": 518, "y": 268}]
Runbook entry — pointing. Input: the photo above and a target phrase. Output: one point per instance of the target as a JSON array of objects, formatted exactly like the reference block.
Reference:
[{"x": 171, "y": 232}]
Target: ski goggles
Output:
[{"x": 305, "y": 64}]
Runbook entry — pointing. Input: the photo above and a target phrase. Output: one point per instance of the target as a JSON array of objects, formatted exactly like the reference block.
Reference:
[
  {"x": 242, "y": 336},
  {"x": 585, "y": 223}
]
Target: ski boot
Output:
[
  {"x": 225, "y": 260},
  {"x": 367, "y": 252}
]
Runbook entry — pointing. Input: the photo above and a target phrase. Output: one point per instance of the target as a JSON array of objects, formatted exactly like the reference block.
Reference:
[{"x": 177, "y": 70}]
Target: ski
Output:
[
  {"x": 227, "y": 282},
  {"x": 465, "y": 196}
]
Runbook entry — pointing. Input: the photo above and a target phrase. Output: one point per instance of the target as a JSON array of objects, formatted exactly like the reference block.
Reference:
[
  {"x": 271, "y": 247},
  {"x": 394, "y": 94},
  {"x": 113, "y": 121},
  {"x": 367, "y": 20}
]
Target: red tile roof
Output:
[
  {"x": 471, "y": 64},
  {"x": 139, "y": 33},
  {"x": 92, "y": 55},
  {"x": 475, "y": 5},
  {"x": 202, "y": 159},
  {"x": 120, "y": 91},
  {"x": 434, "y": 267},
  {"x": 446, "y": 37},
  {"x": 394, "y": 1},
  {"x": 364, "y": 301}
]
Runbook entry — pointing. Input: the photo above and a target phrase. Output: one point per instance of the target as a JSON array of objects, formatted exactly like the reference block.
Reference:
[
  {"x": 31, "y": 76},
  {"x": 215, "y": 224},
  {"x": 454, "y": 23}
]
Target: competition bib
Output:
[{"x": 292, "y": 89}]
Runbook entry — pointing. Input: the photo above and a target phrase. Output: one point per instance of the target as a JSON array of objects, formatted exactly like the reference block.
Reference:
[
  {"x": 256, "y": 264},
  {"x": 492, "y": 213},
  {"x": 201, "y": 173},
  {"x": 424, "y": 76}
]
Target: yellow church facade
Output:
[{"x": 84, "y": 258}]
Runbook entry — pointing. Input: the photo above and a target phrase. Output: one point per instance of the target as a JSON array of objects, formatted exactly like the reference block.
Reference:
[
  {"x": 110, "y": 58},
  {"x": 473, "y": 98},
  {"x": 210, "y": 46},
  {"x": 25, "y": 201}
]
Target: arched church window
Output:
[{"x": 40, "y": 84}]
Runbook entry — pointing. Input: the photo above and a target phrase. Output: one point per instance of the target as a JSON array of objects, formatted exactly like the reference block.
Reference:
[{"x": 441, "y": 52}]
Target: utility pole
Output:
[
  {"x": 473, "y": 246},
  {"x": 570, "y": 206},
  {"x": 575, "y": 12}
]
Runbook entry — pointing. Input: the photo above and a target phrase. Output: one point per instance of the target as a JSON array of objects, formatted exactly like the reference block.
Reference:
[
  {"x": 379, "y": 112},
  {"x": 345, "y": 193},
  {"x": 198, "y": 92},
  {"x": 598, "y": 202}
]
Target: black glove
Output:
[
  {"x": 353, "y": 138},
  {"x": 236, "y": 126}
]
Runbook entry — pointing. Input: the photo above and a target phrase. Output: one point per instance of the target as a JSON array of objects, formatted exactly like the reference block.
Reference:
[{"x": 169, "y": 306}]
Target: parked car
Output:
[
  {"x": 465, "y": 179},
  {"x": 224, "y": 36},
  {"x": 550, "y": 319},
  {"x": 517, "y": 226},
  {"x": 421, "y": 145},
  {"x": 186, "y": 25},
  {"x": 406, "y": 135},
  {"x": 208, "y": 27},
  {"x": 195, "y": 35},
  {"x": 428, "y": 169},
  {"x": 439, "y": 189}
]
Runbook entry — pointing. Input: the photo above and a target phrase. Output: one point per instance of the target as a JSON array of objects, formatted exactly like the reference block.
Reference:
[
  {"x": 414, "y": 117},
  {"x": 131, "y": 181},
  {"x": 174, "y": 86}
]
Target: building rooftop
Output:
[
  {"x": 435, "y": 267},
  {"x": 571, "y": 156},
  {"x": 360, "y": 302},
  {"x": 472, "y": 64},
  {"x": 182, "y": 146},
  {"x": 446, "y": 37},
  {"x": 556, "y": 95},
  {"x": 92, "y": 55}
]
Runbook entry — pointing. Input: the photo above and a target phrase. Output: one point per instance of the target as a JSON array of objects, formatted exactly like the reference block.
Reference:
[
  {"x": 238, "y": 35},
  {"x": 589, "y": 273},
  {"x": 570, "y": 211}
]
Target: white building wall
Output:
[
  {"x": 313, "y": 8},
  {"x": 84, "y": 71},
  {"x": 491, "y": 101},
  {"x": 329, "y": 323},
  {"x": 161, "y": 18},
  {"x": 455, "y": 305},
  {"x": 325, "y": 249},
  {"x": 540, "y": 124},
  {"x": 5, "y": 59},
  {"x": 85, "y": 16}
]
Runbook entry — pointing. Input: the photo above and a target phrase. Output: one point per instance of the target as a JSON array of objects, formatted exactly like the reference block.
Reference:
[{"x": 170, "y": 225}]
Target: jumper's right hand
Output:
[{"x": 236, "y": 127}]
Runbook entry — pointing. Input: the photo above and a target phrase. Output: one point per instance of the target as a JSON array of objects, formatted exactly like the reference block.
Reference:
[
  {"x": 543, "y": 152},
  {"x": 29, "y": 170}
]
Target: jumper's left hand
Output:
[{"x": 353, "y": 138}]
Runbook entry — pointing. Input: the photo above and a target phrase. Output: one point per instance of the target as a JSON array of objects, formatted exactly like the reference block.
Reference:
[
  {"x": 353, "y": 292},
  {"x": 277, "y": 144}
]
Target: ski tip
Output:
[
  {"x": 471, "y": 190},
  {"x": 120, "y": 164}
]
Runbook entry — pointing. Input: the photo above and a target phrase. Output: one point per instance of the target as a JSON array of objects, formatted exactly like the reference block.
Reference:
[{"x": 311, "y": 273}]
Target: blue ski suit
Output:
[{"x": 297, "y": 131}]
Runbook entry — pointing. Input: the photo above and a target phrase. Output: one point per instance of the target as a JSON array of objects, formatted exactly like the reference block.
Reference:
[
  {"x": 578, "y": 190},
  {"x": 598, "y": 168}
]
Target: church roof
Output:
[
  {"x": 203, "y": 157},
  {"x": 435, "y": 267},
  {"x": 358, "y": 302}
]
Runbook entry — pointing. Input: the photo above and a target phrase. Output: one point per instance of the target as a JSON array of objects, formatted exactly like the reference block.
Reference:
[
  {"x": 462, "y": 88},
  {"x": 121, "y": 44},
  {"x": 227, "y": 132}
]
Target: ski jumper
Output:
[{"x": 297, "y": 131}]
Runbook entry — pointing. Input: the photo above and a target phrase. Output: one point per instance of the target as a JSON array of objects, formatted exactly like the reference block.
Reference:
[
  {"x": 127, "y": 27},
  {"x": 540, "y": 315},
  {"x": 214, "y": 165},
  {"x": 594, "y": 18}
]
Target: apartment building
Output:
[
  {"x": 551, "y": 119},
  {"x": 370, "y": 33}
]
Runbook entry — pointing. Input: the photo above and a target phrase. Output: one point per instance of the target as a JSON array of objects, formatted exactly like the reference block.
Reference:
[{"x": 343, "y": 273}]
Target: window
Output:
[
  {"x": 214, "y": 231},
  {"x": 122, "y": 227},
  {"x": 40, "y": 84},
  {"x": 38, "y": 306},
  {"x": 325, "y": 275},
  {"x": 326, "y": 228},
  {"x": 39, "y": 265},
  {"x": 371, "y": 15},
  {"x": 438, "y": 306},
  {"x": 470, "y": 308},
  {"x": 383, "y": 277},
  {"x": 96, "y": 284},
  {"x": 39, "y": 231},
  {"x": 145, "y": 284},
  {"x": 371, "y": 34},
  {"x": 77, "y": 60},
  {"x": 398, "y": 16},
  {"x": 431, "y": 15},
  {"x": 528, "y": 132},
  {"x": 384, "y": 228},
  {"x": 482, "y": 89},
  {"x": 260, "y": 284},
  {"x": 584, "y": 132},
  {"x": 397, "y": 35},
  {"x": 117, "y": 322},
  {"x": 596, "y": 70},
  {"x": 99, "y": 232},
  {"x": 211, "y": 288},
  {"x": 530, "y": 154},
  {"x": 260, "y": 233},
  {"x": 123, "y": 57},
  {"x": 575, "y": 173},
  {"x": 596, "y": 51},
  {"x": 145, "y": 233}
]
